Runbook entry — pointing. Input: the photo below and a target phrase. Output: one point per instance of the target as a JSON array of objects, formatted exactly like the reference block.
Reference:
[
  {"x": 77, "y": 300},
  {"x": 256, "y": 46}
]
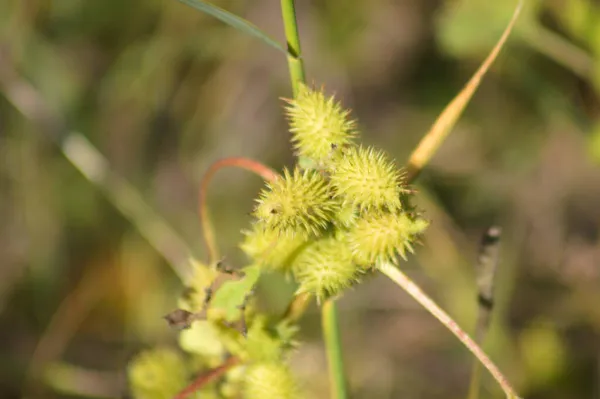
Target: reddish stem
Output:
[
  {"x": 207, "y": 377},
  {"x": 239, "y": 162}
]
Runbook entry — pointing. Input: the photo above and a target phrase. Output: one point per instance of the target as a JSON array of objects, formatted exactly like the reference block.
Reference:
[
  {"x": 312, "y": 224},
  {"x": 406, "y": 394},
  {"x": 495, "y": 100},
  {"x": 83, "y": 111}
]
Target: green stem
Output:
[
  {"x": 333, "y": 347},
  {"x": 328, "y": 311},
  {"x": 294, "y": 53}
]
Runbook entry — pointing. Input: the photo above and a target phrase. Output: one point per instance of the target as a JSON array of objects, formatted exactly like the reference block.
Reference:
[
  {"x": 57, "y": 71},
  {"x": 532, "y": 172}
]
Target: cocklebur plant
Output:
[
  {"x": 158, "y": 373},
  {"x": 343, "y": 212},
  {"x": 220, "y": 330},
  {"x": 326, "y": 226}
]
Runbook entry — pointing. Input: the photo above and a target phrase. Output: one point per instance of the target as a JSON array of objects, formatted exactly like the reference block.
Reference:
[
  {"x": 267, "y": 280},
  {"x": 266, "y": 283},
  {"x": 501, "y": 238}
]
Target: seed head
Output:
[
  {"x": 318, "y": 125},
  {"x": 296, "y": 204}
]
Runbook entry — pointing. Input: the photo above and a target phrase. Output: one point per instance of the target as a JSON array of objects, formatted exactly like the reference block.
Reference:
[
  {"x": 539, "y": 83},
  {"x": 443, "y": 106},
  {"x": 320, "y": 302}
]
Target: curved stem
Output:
[
  {"x": 297, "y": 307},
  {"x": 414, "y": 291},
  {"x": 238, "y": 162},
  {"x": 208, "y": 377}
]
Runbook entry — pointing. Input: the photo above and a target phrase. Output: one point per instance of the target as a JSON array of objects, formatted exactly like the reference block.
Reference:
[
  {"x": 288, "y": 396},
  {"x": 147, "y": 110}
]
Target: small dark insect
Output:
[{"x": 180, "y": 319}]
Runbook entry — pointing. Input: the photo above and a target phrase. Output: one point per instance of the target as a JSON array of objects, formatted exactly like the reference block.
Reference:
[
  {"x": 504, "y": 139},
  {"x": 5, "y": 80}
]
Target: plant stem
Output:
[
  {"x": 294, "y": 53},
  {"x": 414, "y": 291},
  {"x": 297, "y": 307},
  {"x": 207, "y": 377},
  {"x": 487, "y": 264},
  {"x": 334, "y": 349},
  {"x": 328, "y": 311}
]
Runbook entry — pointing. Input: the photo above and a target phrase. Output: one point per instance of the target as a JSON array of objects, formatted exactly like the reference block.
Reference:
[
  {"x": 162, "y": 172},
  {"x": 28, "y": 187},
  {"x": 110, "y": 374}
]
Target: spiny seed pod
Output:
[
  {"x": 347, "y": 215},
  {"x": 325, "y": 268},
  {"x": 366, "y": 178},
  {"x": 318, "y": 124},
  {"x": 269, "y": 249},
  {"x": 381, "y": 236},
  {"x": 270, "y": 381},
  {"x": 157, "y": 374},
  {"x": 296, "y": 204},
  {"x": 262, "y": 344}
]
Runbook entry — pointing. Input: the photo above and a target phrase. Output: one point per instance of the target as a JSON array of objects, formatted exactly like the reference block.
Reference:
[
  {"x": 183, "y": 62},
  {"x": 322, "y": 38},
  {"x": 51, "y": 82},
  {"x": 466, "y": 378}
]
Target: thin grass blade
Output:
[
  {"x": 234, "y": 21},
  {"x": 447, "y": 119}
]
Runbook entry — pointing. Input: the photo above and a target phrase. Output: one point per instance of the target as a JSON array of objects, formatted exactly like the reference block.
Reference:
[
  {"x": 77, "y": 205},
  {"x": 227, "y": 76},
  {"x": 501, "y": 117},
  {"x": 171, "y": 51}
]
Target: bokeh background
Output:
[{"x": 161, "y": 91}]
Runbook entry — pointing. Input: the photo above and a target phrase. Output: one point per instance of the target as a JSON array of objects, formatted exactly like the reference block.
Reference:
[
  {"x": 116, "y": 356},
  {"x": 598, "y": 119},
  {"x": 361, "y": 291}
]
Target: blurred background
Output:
[{"x": 142, "y": 96}]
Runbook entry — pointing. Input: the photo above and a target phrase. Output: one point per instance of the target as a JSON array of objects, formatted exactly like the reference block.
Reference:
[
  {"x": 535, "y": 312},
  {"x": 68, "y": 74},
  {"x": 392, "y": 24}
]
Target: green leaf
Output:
[
  {"x": 202, "y": 338},
  {"x": 232, "y": 294},
  {"x": 234, "y": 21}
]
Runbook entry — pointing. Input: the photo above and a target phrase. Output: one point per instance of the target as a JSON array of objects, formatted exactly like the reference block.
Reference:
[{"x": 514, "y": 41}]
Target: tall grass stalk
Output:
[
  {"x": 329, "y": 309},
  {"x": 294, "y": 52}
]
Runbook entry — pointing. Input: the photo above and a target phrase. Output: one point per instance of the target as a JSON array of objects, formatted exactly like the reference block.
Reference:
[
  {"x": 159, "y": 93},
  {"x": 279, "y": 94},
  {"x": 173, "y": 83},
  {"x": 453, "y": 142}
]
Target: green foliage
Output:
[
  {"x": 203, "y": 339},
  {"x": 328, "y": 225},
  {"x": 202, "y": 277},
  {"x": 232, "y": 295}
]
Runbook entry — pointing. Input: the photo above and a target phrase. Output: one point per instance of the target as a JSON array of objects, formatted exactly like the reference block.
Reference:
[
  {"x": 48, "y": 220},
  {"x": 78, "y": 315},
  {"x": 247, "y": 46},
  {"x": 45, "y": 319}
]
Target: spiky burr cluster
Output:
[{"x": 331, "y": 223}]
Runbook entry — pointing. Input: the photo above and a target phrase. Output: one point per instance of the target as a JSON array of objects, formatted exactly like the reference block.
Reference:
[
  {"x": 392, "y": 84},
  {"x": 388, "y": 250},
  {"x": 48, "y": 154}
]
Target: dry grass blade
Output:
[
  {"x": 95, "y": 168},
  {"x": 445, "y": 122},
  {"x": 417, "y": 294}
]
